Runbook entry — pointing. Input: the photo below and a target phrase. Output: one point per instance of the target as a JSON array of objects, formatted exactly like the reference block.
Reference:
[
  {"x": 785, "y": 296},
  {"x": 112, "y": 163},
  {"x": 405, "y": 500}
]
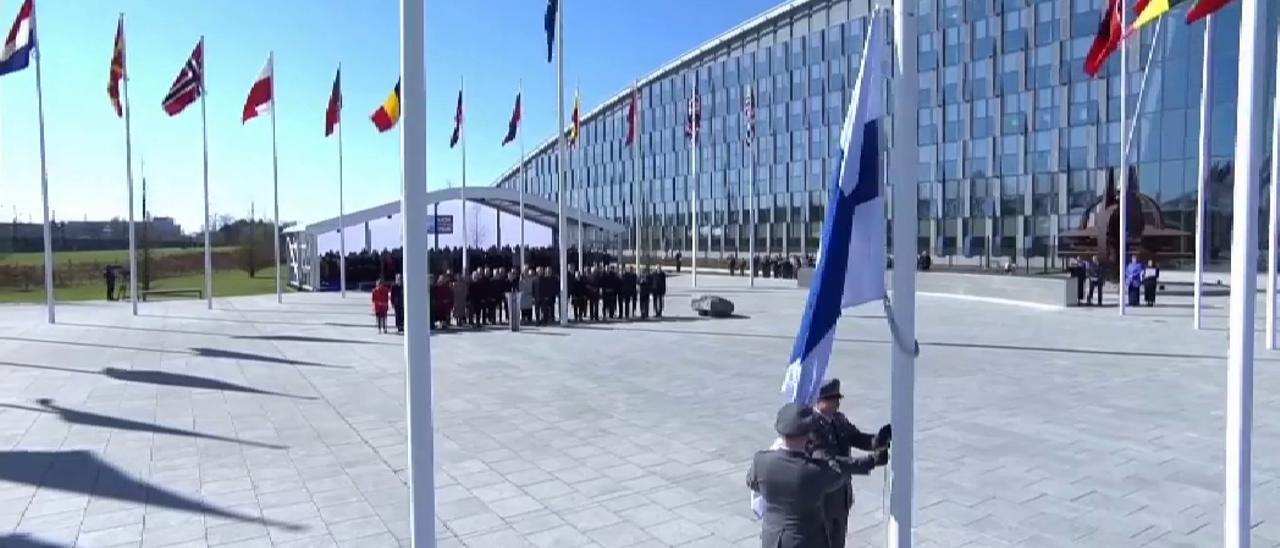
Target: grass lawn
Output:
[
  {"x": 226, "y": 283},
  {"x": 117, "y": 256}
]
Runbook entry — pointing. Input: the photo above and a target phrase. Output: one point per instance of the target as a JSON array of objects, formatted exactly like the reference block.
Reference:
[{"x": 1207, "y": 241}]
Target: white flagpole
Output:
[
  {"x": 582, "y": 197},
  {"x": 462, "y": 128},
  {"x": 695, "y": 120},
  {"x": 905, "y": 228},
  {"x": 128, "y": 172},
  {"x": 636, "y": 208},
  {"x": 1202, "y": 182},
  {"x": 562, "y": 168},
  {"x": 755, "y": 200},
  {"x": 275, "y": 184},
  {"x": 416, "y": 279},
  {"x": 1122, "y": 256},
  {"x": 208, "y": 223},
  {"x": 1271, "y": 213},
  {"x": 1244, "y": 255},
  {"x": 342, "y": 223},
  {"x": 523, "y": 180},
  {"x": 44, "y": 182}
]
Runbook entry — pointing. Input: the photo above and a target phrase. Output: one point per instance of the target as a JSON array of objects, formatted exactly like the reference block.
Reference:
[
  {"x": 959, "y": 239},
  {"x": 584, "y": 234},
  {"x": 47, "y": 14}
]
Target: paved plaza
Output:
[{"x": 257, "y": 424}]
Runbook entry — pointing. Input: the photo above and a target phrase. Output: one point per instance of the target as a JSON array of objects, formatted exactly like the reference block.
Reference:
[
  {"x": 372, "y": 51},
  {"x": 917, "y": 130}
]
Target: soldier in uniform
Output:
[
  {"x": 795, "y": 484},
  {"x": 833, "y": 437}
]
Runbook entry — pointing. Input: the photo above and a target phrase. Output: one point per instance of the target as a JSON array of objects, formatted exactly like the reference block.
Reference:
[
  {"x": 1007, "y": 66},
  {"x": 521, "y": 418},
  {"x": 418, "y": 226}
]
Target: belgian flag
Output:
[{"x": 388, "y": 114}]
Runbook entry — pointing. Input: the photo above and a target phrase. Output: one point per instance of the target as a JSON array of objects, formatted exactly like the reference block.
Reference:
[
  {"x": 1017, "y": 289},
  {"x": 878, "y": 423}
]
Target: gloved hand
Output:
[
  {"x": 881, "y": 456},
  {"x": 884, "y": 437}
]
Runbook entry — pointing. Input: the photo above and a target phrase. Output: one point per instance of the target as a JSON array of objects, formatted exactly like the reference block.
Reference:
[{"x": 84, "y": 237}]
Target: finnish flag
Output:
[{"x": 851, "y": 255}]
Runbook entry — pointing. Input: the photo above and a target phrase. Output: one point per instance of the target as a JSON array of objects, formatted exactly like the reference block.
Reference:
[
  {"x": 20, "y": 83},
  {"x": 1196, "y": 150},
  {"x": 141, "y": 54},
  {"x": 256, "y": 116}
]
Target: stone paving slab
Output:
[{"x": 257, "y": 424}]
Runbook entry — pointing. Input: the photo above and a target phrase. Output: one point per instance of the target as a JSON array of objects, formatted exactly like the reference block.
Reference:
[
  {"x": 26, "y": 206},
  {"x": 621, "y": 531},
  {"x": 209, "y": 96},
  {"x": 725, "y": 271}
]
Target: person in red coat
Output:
[{"x": 381, "y": 302}]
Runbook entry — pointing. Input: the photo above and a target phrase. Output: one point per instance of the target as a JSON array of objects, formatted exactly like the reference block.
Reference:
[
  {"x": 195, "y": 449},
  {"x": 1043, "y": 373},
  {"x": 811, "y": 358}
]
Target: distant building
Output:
[{"x": 88, "y": 235}]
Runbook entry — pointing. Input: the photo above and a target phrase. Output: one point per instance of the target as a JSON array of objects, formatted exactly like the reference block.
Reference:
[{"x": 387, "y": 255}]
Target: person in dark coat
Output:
[
  {"x": 679, "y": 259},
  {"x": 1150, "y": 280},
  {"x": 577, "y": 295},
  {"x": 794, "y": 484},
  {"x": 609, "y": 283},
  {"x": 659, "y": 292},
  {"x": 833, "y": 437},
  {"x": 1097, "y": 282},
  {"x": 397, "y": 303},
  {"x": 476, "y": 299},
  {"x": 591, "y": 286},
  {"x": 109, "y": 276},
  {"x": 645, "y": 284},
  {"x": 627, "y": 292},
  {"x": 1077, "y": 271}
]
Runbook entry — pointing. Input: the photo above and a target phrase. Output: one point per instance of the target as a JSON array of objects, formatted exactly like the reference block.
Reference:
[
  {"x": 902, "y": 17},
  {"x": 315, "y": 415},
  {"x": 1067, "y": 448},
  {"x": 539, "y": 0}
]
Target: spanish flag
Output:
[
  {"x": 1152, "y": 10},
  {"x": 117, "y": 69},
  {"x": 388, "y": 114},
  {"x": 575, "y": 130}
]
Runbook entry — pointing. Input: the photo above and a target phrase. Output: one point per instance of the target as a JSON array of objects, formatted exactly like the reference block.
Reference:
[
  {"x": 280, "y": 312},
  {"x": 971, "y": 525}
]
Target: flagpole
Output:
[
  {"x": 695, "y": 120},
  {"x": 755, "y": 200},
  {"x": 1271, "y": 213},
  {"x": 416, "y": 279},
  {"x": 561, "y": 168},
  {"x": 1202, "y": 182},
  {"x": 1122, "y": 286},
  {"x": 208, "y": 225},
  {"x": 275, "y": 184},
  {"x": 342, "y": 224},
  {"x": 466, "y": 245},
  {"x": 905, "y": 233},
  {"x": 128, "y": 161},
  {"x": 636, "y": 208},
  {"x": 523, "y": 180},
  {"x": 582, "y": 190},
  {"x": 1244, "y": 254},
  {"x": 44, "y": 183}
]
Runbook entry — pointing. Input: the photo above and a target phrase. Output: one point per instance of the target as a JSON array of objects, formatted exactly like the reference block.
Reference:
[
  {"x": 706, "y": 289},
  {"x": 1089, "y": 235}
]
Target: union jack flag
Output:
[
  {"x": 749, "y": 114},
  {"x": 693, "y": 119}
]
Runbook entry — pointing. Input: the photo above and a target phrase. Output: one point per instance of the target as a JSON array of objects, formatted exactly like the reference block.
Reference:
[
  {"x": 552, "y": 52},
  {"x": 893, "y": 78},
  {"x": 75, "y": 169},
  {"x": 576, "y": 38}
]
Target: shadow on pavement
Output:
[
  {"x": 23, "y": 540},
  {"x": 72, "y": 416},
  {"x": 978, "y": 346},
  {"x": 164, "y": 378},
  {"x": 207, "y": 352},
  {"x": 299, "y": 338},
  {"x": 83, "y": 472}
]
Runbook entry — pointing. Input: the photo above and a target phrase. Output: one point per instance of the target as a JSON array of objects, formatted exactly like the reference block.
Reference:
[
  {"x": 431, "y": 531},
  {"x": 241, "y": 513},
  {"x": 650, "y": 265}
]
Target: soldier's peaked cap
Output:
[
  {"x": 795, "y": 420},
  {"x": 830, "y": 389}
]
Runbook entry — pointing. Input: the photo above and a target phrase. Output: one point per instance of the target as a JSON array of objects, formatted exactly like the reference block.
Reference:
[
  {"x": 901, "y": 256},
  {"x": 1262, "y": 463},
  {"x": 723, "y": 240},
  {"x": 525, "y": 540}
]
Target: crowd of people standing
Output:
[{"x": 490, "y": 296}]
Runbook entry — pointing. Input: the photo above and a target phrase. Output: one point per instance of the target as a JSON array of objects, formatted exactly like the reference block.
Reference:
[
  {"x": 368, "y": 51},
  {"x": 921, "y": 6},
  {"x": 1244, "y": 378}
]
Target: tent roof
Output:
[{"x": 537, "y": 209}]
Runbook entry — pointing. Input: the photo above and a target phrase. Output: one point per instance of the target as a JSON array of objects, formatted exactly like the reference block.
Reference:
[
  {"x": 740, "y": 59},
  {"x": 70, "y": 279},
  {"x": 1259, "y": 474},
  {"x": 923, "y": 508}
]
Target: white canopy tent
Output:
[{"x": 493, "y": 219}]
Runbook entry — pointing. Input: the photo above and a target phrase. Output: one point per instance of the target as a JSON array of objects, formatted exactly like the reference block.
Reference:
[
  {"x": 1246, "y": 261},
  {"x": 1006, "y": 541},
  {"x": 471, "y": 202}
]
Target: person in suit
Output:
[
  {"x": 646, "y": 290},
  {"x": 1093, "y": 269},
  {"x": 592, "y": 287},
  {"x": 609, "y": 291},
  {"x": 833, "y": 437},
  {"x": 627, "y": 292},
  {"x": 659, "y": 291},
  {"x": 794, "y": 484},
  {"x": 397, "y": 303},
  {"x": 109, "y": 276},
  {"x": 1077, "y": 271},
  {"x": 1150, "y": 280}
]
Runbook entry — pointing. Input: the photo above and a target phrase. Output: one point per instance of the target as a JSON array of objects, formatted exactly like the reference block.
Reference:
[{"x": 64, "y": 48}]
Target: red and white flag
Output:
[{"x": 262, "y": 94}]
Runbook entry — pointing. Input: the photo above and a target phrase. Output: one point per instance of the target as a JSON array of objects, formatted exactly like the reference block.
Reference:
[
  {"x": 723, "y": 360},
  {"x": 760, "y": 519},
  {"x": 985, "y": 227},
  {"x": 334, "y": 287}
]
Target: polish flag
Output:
[{"x": 260, "y": 95}]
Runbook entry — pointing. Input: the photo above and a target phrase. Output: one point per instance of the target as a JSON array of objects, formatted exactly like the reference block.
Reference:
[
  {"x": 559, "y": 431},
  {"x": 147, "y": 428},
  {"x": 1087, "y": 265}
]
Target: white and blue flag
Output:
[
  {"x": 15, "y": 54},
  {"x": 851, "y": 257}
]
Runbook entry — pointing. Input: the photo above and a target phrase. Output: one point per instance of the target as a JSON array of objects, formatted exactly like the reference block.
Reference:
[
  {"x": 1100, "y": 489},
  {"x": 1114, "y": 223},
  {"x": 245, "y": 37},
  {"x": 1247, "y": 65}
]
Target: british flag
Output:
[
  {"x": 189, "y": 84},
  {"x": 693, "y": 119}
]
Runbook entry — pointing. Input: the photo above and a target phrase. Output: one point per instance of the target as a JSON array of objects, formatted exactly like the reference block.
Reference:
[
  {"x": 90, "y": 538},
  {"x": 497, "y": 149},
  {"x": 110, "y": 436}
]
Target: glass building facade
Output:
[{"x": 1015, "y": 141}]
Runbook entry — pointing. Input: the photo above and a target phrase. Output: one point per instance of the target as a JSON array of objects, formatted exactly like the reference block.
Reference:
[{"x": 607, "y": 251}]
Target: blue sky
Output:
[{"x": 492, "y": 44}]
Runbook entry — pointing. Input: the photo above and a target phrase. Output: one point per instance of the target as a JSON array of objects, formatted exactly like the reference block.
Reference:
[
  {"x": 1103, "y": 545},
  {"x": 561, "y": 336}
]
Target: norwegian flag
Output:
[
  {"x": 749, "y": 115},
  {"x": 189, "y": 84},
  {"x": 693, "y": 119}
]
